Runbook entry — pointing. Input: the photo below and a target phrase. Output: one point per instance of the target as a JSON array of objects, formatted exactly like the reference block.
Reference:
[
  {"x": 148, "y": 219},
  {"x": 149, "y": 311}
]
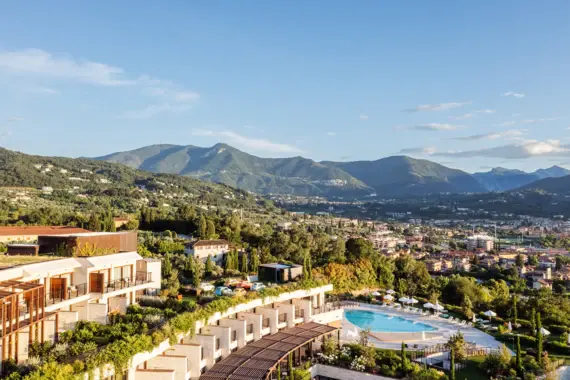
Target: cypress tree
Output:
[
  {"x": 203, "y": 228},
  {"x": 290, "y": 366},
  {"x": 519, "y": 366},
  {"x": 254, "y": 260},
  {"x": 533, "y": 321},
  {"x": 452, "y": 353},
  {"x": 403, "y": 363},
  {"x": 209, "y": 266},
  {"x": 244, "y": 262},
  {"x": 515, "y": 312},
  {"x": 279, "y": 371},
  {"x": 538, "y": 340}
]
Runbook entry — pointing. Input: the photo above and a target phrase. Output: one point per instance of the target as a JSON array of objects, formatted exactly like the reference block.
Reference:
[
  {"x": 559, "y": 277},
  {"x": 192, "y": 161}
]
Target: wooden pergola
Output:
[
  {"x": 259, "y": 360},
  {"x": 22, "y": 306}
]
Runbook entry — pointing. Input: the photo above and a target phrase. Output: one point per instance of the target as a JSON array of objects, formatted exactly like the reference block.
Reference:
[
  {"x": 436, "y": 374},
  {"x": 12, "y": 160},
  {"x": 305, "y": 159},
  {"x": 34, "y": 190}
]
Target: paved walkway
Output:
[{"x": 445, "y": 328}]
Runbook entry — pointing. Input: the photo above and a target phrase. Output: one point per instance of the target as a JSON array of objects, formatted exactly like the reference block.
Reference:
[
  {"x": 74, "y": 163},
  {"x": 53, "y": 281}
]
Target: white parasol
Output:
[
  {"x": 413, "y": 300},
  {"x": 388, "y": 297},
  {"x": 390, "y": 291},
  {"x": 376, "y": 294},
  {"x": 429, "y": 305},
  {"x": 404, "y": 299},
  {"x": 544, "y": 331}
]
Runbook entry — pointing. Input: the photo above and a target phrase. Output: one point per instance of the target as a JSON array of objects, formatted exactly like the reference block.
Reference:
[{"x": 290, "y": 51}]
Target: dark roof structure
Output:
[{"x": 258, "y": 359}]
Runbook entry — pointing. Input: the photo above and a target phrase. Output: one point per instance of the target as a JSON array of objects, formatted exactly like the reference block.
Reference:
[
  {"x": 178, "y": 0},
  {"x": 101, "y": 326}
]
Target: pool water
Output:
[{"x": 384, "y": 323}]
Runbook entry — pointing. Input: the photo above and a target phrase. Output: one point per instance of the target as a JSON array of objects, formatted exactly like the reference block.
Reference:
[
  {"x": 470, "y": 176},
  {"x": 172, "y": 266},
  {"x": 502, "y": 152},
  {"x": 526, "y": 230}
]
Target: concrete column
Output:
[
  {"x": 306, "y": 306},
  {"x": 208, "y": 347},
  {"x": 288, "y": 309},
  {"x": 23, "y": 344},
  {"x": 178, "y": 363},
  {"x": 252, "y": 319},
  {"x": 223, "y": 334},
  {"x": 321, "y": 299},
  {"x": 49, "y": 333},
  {"x": 272, "y": 315},
  {"x": 238, "y": 326},
  {"x": 192, "y": 352}
]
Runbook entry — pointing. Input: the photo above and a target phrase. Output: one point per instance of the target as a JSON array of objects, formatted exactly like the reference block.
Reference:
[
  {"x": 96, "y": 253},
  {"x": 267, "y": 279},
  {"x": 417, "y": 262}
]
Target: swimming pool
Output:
[{"x": 379, "y": 322}]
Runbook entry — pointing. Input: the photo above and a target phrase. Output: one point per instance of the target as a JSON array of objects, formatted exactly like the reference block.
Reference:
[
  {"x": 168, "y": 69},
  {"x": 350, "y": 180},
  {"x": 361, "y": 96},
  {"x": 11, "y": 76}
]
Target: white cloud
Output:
[
  {"x": 363, "y": 117},
  {"x": 438, "y": 107},
  {"x": 41, "y": 90},
  {"x": 15, "y": 119},
  {"x": 435, "y": 127},
  {"x": 153, "y": 110},
  {"x": 255, "y": 144},
  {"x": 36, "y": 62},
  {"x": 429, "y": 150},
  {"x": 39, "y": 62},
  {"x": 331, "y": 133},
  {"x": 517, "y": 95},
  {"x": 505, "y": 123},
  {"x": 513, "y": 133},
  {"x": 545, "y": 119},
  {"x": 472, "y": 114},
  {"x": 527, "y": 149}
]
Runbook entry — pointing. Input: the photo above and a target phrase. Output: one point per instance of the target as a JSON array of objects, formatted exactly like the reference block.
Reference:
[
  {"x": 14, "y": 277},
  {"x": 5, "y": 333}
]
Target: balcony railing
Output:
[
  {"x": 299, "y": 313},
  {"x": 329, "y": 306},
  {"x": 60, "y": 295},
  {"x": 282, "y": 318},
  {"x": 128, "y": 282},
  {"x": 265, "y": 324}
]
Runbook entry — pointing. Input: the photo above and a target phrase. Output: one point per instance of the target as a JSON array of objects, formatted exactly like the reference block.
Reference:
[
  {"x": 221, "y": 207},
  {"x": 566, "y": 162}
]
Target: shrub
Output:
[{"x": 557, "y": 329}]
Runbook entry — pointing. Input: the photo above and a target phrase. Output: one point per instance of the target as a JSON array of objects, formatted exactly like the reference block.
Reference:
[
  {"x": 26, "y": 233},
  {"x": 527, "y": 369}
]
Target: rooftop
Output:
[
  {"x": 10, "y": 261},
  {"x": 39, "y": 230},
  {"x": 279, "y": 266},
  {"x": 199, "y": 243},
  {"x": 257, "y": 359}
]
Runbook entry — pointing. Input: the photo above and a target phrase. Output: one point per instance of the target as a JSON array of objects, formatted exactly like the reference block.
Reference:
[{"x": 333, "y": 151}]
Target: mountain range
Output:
[{"x": 390, "y": 176}]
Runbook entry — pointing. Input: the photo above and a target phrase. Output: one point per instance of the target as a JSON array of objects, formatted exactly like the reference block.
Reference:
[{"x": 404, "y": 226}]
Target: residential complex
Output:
[{"x": 39, "y": 300}]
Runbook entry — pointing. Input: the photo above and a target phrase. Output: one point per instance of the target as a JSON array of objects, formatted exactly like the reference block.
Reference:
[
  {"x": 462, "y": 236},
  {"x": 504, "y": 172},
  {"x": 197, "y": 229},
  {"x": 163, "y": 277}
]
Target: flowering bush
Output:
[
  {"x": 358, "y": 364},
  {"x": 328, "y": 359},
  {"x": 345, "y": 353}
]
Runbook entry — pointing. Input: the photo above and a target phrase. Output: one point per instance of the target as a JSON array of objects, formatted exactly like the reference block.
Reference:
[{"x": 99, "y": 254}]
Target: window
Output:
[
  {"x": 201, "y": 352},
  {"x": 234, "y": 336},
  {"x": 217, "y": 343}
]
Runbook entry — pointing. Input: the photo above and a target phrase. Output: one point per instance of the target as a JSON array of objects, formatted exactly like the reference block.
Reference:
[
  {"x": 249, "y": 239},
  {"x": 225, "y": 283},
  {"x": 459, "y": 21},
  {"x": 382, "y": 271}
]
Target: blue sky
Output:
[{"x": 470, "y": 84}]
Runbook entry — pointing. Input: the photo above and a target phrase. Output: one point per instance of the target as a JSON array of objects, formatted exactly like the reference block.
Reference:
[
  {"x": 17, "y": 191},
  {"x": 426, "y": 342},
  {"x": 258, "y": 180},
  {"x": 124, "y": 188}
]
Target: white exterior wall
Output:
[
  {"x": 343, "y": 374},
  {"x": 208, "y": 343},
  {"x": 192, "y": 353},
  {"x": 326, "y": 318},
  {"x": 288, "y": 309},
  {"x": 67, "y": 320},
  {"x": 97, "y": 312},
  {"x": 163, "y": 374},
  {"x": 203, "y": 252},
  {"x": 306, "y": 306},
  {"x": 238, "y": 326},
  {"x": 272, "y": 314},
  {"x": 255, "y": 320},
  {"x": 178, "y": 363},
  {"x": 222, "y": 333}
]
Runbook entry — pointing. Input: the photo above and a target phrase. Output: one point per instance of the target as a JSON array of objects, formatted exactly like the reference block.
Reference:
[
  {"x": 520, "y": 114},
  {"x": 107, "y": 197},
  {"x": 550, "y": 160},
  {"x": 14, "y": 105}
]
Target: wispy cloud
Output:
[
  {"x": 331, "y": 133},
  {"x": 39, "y": 62},
  {"x": 15, "y": 119},
  {"x": 428, "y": 150},
  {"x": 434, "y": 127},
  {"x": 505, "y": 123},
  {"x": 513, "y": 94},
  {"x": 363, "y": 117},
  {"x": 437, "y": 107},
  {"x": 491, "y": 136},
  {"x": 472, "y": 114},
  {"x": 527, "y": 149},
  {"x": 256, "y": 144},
  {"x": 41, "y": 90},
  {"x": 542, "y": 120}
]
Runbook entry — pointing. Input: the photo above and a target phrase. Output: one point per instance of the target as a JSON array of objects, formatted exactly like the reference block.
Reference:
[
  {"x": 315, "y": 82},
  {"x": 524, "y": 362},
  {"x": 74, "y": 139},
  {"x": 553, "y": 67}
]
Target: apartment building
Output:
[
  {"x": 216, "y": 249},
  {"x": 42, "y": 299},
  {"x": 480, "y": 241},
  {"x": 289, "y": 320}
]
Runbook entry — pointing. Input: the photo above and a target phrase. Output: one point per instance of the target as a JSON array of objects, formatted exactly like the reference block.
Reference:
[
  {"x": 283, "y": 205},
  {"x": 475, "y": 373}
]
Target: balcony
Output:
[
  {"x": 59, "y": 295},
  {"x": 140, "y": 278}
]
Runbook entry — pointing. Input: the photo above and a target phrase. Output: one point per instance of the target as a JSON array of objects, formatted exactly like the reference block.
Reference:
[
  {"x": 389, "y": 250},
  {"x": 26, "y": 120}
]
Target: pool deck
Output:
[{"x": 445, "y": 330}]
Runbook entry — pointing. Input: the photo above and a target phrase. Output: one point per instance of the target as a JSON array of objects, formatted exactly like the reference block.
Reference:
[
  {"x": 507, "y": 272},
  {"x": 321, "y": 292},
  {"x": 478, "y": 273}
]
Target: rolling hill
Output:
[
  {"x": 560, "y": 185},
  {"x": 391, "y": 176},
  {"x": 501, "y": 179}
]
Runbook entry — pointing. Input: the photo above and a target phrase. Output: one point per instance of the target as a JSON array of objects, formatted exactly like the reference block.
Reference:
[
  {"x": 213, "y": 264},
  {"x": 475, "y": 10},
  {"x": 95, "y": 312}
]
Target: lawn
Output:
[
  {"x": 8, "y": 261},
  {"x": 472, "y": 371}
]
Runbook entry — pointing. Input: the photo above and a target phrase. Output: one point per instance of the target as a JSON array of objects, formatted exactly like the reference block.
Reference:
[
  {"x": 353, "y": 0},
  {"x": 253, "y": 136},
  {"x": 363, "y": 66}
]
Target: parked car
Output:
[
  {"x": 223, "y": 291},
  {"x": 243, "y": 284},
  {"x": 239, "y": 291},
  {"x": 207, "y": 287},
  {"x": 257, "y": 286}
]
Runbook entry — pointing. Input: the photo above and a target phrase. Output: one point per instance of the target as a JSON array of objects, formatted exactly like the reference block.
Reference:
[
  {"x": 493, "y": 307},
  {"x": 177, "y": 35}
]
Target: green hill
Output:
[{"x": 391, "y": 176}]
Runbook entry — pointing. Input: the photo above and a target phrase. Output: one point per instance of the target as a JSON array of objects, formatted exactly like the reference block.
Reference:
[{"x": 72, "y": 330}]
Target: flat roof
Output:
[
  {"x": 13, "y": 260},
  {"x": 90, "y": 233},
  {"x": 39, "y": 230},
  {"x": 278, "y": 266},
  {"x": 257, "y": 359}
]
